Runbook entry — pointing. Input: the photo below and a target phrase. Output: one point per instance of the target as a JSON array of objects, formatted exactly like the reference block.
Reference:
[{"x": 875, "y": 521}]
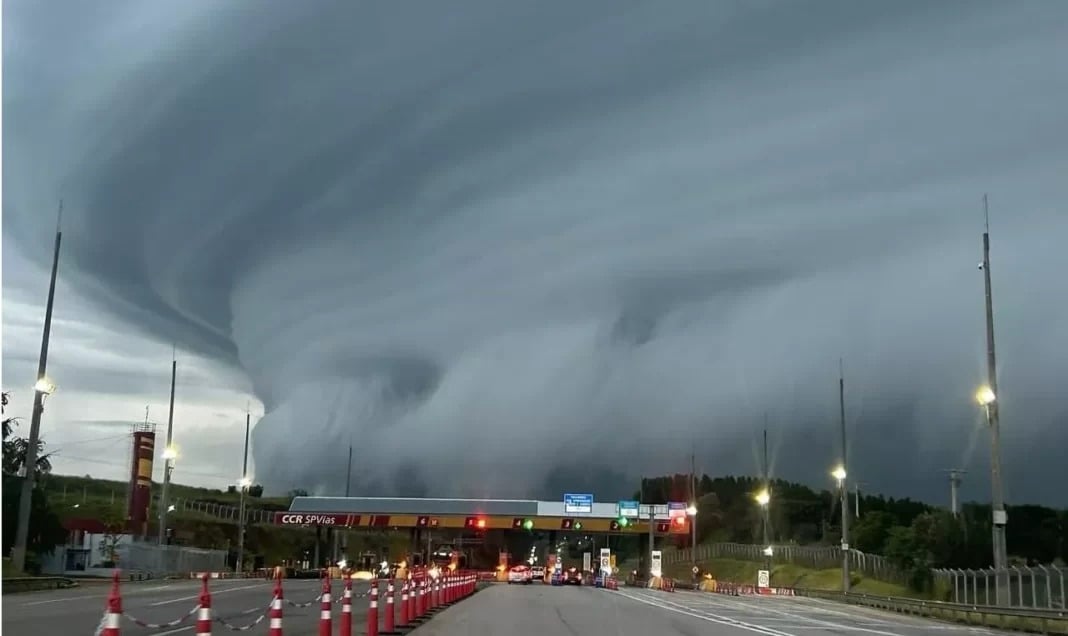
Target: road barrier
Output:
[
  {"x": 372, "y": 611},
  {"x": 390, "y": 626},
  {"x": 1044, "y": 621},
  {"x": 345, "y": 629},
  {"x": 204, "y": 610},
  {"x": 436, "y": 594},
  {"x": 326, "y": 620}
]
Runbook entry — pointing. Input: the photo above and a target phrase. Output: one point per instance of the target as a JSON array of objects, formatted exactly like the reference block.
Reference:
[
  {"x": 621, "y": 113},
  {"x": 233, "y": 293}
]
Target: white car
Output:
[
  {"x": 519, "y": 574},
  {"x": 537, "y": 572}
]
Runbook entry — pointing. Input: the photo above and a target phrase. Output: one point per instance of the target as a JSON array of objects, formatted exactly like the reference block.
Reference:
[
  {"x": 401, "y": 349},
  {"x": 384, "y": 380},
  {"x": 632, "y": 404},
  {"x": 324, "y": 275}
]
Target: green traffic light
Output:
[
  {"x": 623, "y": 521},
  {"x": 528, "y": 524},
  {"x": 578, "y": 525}
]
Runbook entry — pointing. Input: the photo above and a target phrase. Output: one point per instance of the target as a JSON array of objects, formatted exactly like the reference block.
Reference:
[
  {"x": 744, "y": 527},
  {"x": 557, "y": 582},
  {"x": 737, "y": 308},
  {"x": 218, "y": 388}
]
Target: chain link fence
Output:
[
  {"x": 223, "y": 512},
  {"x": 815, "y": 557},
  {"x": 1028, "y": 587},
  {"x": 159, "y": 560}
]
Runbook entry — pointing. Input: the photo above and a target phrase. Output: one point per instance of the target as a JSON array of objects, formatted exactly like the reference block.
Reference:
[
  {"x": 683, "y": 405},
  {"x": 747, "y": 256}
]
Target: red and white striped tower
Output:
[
  {"x": 345, "y": 629},
  {"x": 372, "y": 611},
  {"x": 275, "y": 615},
  {"x": 326, "y": 621},
  {"x": 391, "y": 619},
  {"x": 204, "y": 613},
  {"x": 404, "y": 604},
  {"x": 114, "y": 608}
]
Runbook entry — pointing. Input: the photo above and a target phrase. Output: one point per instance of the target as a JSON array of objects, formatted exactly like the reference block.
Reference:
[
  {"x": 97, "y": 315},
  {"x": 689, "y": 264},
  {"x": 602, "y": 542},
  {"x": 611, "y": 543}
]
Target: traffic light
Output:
[
  {"x": 662, "y": 526},
  {"x": 520, "y": 522},
  {"x": 578, "y": 525},
  {"x": 475, "y": 523},
  {"x": 614, "y": 526},
  {"x": 680, "y": 522},
  {"x": 528, "y": 524},
  {"x": 433, "y": 522},
  {"x": 567, "y": 524},
  {"x": 623, "y": 522},
  {"x": 423, "y": 522}
]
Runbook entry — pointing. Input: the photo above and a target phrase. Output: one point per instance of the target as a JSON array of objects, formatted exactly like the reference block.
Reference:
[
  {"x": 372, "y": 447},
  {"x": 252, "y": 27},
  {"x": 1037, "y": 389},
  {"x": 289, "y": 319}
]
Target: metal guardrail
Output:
[
  {"x": 36, "y": 583},
  {"x": 1046, "y": 621}
]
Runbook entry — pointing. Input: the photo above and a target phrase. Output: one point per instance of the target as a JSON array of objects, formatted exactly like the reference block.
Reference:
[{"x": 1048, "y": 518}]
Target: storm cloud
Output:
[{"x": 512, "y": 246}]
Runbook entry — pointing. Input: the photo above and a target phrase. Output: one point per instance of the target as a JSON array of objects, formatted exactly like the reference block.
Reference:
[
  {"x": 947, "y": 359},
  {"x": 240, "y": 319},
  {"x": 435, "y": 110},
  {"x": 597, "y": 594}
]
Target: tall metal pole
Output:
[
  {"x": 168, "y": 460},
  {"x": 767, "y": 488},
  {"x": 693, "y": 518},
  {"x": 844, "y": 491},
  {"x": 1000, "y": 518},
  {"x": 241, "y": 506},
  {"x": 22, "y": 530}
]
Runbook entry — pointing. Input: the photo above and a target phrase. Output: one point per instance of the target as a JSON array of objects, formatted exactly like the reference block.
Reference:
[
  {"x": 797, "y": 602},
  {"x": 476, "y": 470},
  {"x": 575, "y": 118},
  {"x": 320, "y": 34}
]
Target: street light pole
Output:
[
  {"x": 168, "y": 456},
  {"x": 245, "y": 483},
  {"x": 1000, "y": 518},
  {"x": 40, "y": 389},
  {"x": 843, "y": 490},
  {"x": 693, "y": 517}
]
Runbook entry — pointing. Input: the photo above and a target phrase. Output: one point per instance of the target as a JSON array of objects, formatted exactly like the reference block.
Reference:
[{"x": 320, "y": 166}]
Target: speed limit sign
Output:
[
  {"x": 696, "y": 569},
  {"x": 763, "y": 579}
]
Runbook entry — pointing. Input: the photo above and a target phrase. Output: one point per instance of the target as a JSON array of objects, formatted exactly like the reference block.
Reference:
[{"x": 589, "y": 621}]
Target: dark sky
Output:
[{"x": 521, "y": 248}]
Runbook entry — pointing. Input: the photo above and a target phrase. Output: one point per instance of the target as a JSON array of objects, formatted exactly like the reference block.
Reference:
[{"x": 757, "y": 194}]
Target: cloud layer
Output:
[{"x": 493, "y": 247}]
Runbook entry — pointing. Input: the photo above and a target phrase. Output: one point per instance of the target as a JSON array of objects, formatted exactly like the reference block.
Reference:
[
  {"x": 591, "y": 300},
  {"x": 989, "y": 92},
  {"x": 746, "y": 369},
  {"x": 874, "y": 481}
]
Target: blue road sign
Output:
[
  {"x": 627, "y": 509},
  {"x": 578, "y": 503}
]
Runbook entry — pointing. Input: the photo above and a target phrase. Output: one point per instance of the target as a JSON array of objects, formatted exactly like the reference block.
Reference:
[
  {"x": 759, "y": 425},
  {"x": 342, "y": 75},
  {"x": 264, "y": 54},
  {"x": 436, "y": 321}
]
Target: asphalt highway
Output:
[
  {"x": 538, "y": 610},
  {"x": 78, "y": 611}
]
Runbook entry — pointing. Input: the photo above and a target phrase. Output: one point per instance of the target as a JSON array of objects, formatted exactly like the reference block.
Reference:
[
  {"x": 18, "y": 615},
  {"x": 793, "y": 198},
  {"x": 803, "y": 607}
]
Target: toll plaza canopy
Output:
[{"x": 466, "y": 514}]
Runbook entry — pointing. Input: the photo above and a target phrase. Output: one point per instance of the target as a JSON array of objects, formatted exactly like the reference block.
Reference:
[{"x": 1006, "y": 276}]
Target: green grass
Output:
[
  {"x": 10, "y": 571},
  {"x": 788, "y": 575}
]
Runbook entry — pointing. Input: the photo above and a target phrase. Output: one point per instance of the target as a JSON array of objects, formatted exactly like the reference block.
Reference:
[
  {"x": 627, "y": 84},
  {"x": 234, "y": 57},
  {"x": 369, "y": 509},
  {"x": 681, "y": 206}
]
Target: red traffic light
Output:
[
  {"x": 566, "y": 524},
  {"x": 433, "y": 522},
  {"x": 475, "y": 523},
  {"x": 423, "y": 522},
  {"x": 662, "y": 526},
  {"x": 614, "y": 526},
  {"x": 679, "y": 521}
]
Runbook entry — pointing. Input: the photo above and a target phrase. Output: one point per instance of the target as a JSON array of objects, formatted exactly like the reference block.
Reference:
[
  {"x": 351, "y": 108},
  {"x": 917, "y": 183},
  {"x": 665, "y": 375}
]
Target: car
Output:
[
  {"x": 572, "y": 576},
  {"x": 519, "y": 574},
  {"x": 538, "y": 572}
]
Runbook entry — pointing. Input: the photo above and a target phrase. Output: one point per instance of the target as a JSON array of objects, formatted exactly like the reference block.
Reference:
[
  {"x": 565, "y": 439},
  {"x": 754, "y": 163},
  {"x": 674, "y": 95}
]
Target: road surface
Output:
[
  {"x": 540, "y": 610},
  {"x": 78, "y": 611}
]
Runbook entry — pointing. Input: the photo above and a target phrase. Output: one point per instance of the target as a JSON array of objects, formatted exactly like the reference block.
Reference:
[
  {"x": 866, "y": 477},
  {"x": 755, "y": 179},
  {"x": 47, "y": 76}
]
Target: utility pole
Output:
[
  {"x": 955, "y": 475},
  {"x": 168, "y": 454},
  {"x": 844, "y": 490},
  {"x": 767, "y": 489},
  {"x": 1000, "y": 518},
  {"x": 41, "y": 388},
  {"x": 693, "y": 517},
  {"x": 244, "y": 488},
  {"x": 348, "y": 486},
  {"x": 856, "y": 498}
]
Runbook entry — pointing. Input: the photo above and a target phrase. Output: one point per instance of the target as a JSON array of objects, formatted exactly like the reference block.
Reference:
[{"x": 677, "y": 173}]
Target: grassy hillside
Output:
[{"x": 87, "y": 497}]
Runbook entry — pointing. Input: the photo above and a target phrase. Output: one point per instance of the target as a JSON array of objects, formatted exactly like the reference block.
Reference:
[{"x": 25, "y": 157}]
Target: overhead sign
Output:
[
  {"x": 676, "y": 509},
  {"x": 577, "y": 504},
  {"x": 655, "y": 562},
  {"x": 628, "y": 509},
  {"x": 306, "y": 519}
]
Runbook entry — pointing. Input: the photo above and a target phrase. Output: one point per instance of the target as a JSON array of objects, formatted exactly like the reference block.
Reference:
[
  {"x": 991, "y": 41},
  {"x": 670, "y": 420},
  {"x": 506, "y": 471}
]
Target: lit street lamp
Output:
[
  {"x": 839, "y": 473},
  {"x": 988, "y": 400},
  {"x": 764, "y": 498}
]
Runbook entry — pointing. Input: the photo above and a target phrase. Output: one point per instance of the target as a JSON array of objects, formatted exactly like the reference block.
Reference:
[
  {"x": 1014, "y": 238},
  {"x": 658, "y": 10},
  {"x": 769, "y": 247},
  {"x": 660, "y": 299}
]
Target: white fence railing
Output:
[
  {"x": 816, "y": 557},
  {"x": 1037, "y": 587}
]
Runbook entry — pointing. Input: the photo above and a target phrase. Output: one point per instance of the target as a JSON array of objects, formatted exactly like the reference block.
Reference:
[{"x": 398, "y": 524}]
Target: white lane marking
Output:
[
  {"x": 822, "y": 623},
  {"x": 197, "y": 596},
  {"x": 711, "y": 618},
  {"x": 61, "y": 600},
  {"x": 175, "y": 631}
]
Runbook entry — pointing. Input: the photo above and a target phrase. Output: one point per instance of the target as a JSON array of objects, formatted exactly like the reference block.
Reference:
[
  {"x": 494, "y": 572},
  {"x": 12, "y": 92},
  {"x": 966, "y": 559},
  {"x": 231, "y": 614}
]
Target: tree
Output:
[
  {"x": 15, "y": 449},
  {"x": 114, "y": 527},
  {"x": 46, "y": 531},
  {"x": 871, "y": 531},
  {"x": 298, "y": 492},
  {"x": 255, "y": 490}
]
